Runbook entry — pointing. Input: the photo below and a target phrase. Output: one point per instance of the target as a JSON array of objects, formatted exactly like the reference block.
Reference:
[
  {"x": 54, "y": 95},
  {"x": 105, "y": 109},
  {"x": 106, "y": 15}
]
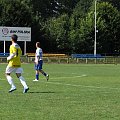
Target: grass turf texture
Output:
[{"x": 74, "y": 92}]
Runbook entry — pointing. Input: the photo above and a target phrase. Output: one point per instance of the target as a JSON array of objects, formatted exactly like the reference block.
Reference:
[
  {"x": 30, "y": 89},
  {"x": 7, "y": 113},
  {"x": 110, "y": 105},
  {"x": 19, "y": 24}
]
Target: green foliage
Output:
[
  {"x": 109, "y": 34},
  {"x": 58, "y": 29},
  {"x": 78, "y": 14},
  {"x": 18, "y": 13},
  {"x": 115, "y": 3},
  {"x": 67, "y": 25},
  {"x": 108, "y": 24},
  {"x": 51, "y": 8},
  {"x": 14, "y": 13}
]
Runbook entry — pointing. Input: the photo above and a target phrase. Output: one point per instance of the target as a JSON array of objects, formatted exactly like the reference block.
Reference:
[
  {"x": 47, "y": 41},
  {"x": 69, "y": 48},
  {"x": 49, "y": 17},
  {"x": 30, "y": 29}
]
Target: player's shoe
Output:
[
  {"x": 12, "y": 89},
  {"x": 25, "y": 90},
  {"x": 35, "y": 80},
  {"x": 47, "y": 77}
]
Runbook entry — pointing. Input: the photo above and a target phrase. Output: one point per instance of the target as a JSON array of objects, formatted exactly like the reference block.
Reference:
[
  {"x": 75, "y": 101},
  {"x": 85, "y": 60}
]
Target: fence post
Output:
[
  {"x": 68, "y": 60},
  {"x": 86, "y": 61}
]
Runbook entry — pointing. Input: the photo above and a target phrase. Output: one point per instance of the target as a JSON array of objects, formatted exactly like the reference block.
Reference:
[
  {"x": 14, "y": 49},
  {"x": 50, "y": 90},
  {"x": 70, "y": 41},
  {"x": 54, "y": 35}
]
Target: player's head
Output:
[
  {"x": 37, "y": 44},
  {"x": 14, "y": 38}
]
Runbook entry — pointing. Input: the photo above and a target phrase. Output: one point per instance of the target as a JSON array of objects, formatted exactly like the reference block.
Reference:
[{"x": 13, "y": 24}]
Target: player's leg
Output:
[
  {"x": 37, "y": 75},
  {"x": 8, "y": 71},
  {"x": 22, "y": 80},
  {"x": 45, "y": 74},
  {"x": 40, "y": 69},
  {"x": 36, "y": 72}
]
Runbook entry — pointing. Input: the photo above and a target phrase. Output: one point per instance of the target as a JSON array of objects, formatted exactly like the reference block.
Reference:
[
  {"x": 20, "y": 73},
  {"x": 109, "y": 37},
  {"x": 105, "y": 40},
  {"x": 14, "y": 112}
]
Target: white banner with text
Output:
[{"x": 23, "y": 33}]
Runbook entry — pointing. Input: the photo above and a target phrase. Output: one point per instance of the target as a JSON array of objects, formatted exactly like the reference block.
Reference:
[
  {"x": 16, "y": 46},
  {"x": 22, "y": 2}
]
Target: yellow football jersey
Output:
[{"x": 15, "y": 61}]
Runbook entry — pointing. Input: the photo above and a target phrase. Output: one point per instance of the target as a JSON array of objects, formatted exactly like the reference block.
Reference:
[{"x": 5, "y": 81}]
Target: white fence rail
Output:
[{"x": 70, "y": 60}]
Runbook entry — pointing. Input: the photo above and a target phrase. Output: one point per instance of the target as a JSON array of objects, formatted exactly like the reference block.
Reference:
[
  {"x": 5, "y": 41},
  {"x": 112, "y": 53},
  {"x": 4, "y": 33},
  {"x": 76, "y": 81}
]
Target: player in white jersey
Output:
[
  {"x": 14, "y": 65},
  {"x": 39, "y": 62}
]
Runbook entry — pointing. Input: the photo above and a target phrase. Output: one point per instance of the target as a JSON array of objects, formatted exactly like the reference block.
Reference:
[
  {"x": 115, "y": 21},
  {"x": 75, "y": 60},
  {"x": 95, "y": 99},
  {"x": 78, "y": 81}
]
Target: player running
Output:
[{"x": 14, "y": 65}]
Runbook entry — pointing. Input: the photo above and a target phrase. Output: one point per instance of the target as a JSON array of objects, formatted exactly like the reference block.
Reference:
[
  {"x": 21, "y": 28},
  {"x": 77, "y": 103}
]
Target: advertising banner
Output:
[{"x": 23, "y": 33}]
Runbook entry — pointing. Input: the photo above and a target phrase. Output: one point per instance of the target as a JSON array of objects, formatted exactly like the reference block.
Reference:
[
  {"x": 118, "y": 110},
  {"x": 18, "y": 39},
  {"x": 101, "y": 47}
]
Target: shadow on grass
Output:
[{"x": 42, "y": 92}]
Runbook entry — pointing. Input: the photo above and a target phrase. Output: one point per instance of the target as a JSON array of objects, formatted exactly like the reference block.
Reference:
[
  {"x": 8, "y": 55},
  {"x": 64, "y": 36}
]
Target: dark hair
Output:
[
  {"x": 14, "y": 37},
  {"x": 38, "y": 44}
]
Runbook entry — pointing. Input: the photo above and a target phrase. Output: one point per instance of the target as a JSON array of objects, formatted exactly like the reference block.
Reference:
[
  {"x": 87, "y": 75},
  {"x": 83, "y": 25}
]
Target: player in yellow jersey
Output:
[{"x": 14, "y": 65}]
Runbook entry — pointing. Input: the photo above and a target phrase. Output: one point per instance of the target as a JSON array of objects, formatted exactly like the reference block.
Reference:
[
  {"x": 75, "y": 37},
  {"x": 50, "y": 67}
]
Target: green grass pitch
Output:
[{"x": 74, "y": 92}]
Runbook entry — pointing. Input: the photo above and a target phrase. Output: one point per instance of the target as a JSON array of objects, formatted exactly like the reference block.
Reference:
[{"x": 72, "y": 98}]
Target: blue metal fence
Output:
[
  {"x": 86, "y": 56},
  {"x": 4, "y": 54}
]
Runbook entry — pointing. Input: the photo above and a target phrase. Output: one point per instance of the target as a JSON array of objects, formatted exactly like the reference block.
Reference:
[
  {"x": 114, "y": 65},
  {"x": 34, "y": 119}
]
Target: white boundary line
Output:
[
  {"x": 69, "y": 77},
  {"x": 58, "y": 77},
  {"x": 73, "y": 85}
]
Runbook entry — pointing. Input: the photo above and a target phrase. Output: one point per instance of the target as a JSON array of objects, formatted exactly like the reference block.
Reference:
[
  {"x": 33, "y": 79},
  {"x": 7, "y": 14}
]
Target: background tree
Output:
[
  {"x": 51, "y": 8},
  {"x": 108, "y": 25},
  {"x": 14, "y": 13},
  {"x": 115, "y": 3},
  {"x": 79, "y": 12},
  {"x": 66, "y": 25},
  {"x": 58, "y": 30},
  {"x": 109, "y": 37}
]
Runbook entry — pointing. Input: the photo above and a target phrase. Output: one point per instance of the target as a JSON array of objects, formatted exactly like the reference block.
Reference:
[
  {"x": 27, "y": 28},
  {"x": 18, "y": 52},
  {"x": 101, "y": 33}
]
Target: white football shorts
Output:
[{"x": 13, "y": 69}]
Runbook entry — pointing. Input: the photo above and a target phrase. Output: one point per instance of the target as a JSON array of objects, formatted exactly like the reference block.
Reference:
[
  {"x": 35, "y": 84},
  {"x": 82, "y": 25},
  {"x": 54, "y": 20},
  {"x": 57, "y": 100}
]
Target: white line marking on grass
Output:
[
  {"x": 60, "y": 77},
  {"x": 73, "y": 85},
  {"x": 85, "y": 86},
  {"x": 69, "y": 77}
]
